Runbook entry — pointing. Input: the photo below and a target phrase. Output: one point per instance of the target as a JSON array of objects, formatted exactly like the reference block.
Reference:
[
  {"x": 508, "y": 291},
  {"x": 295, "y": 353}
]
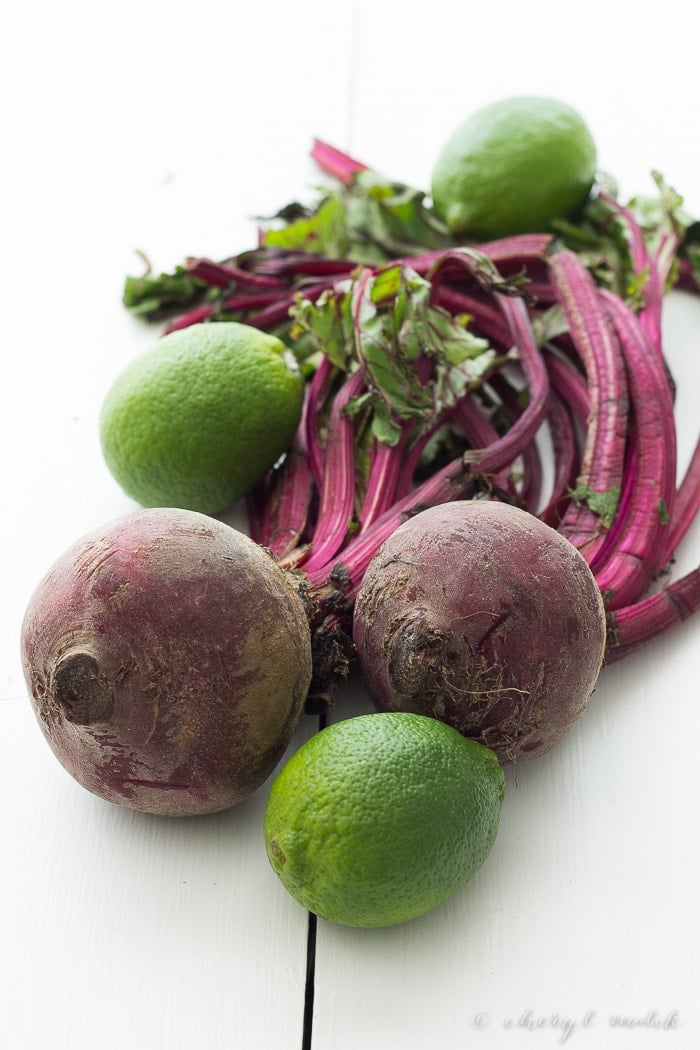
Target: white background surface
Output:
[{"x": 165, "y": 127}]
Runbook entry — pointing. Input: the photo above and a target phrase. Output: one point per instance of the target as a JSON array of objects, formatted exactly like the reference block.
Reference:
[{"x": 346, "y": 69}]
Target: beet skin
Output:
[
  {"x": 478, "y": 614},
  {"x": 168, "y": 659}
]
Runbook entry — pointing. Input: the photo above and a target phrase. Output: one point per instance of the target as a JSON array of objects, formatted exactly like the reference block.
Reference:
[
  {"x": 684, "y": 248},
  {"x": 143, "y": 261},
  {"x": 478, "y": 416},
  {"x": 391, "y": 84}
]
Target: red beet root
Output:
[
  {"x": 479, "y": 614},
  {"x": 168, "y": 659}
]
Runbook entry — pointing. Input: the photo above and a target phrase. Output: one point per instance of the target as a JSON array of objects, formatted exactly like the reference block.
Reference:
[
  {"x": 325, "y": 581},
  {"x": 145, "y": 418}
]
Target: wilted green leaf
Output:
[
  {"x": 604, "y": 504},
  {"x": 153, "y": 295},
  {"x": 417, "y": 359},
  {"x": 370, "y": 220}
]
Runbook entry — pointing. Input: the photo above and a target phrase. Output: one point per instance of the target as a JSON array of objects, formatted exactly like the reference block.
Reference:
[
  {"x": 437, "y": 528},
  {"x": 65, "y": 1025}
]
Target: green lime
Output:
[
  {"x": 512, "y": 167},
  {"x": 379, "y": 818},
  {"x": 197, "y": 420}
]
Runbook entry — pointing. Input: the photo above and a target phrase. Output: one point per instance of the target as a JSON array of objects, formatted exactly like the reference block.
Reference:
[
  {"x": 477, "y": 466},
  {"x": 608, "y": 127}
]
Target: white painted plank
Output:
[{"x": 120, "y": 929}]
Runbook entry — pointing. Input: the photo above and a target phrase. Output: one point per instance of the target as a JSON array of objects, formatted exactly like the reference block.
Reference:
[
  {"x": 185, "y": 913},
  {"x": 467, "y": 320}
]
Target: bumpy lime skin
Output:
[
  {"x": 197, "y": 420},
  {"x": 513, "y": 167},
  {"x": 380, "y": 818}
]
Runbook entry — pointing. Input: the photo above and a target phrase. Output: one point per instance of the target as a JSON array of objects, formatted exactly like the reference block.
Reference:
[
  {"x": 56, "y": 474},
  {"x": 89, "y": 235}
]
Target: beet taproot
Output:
[
  {"x": 479, "y": 614},
  {"x": 168, "y": 658}
]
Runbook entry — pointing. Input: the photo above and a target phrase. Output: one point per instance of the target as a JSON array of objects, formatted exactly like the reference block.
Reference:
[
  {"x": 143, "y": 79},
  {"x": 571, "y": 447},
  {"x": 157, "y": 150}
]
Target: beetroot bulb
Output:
[
  {"x": 168, "y": 658},
  {"x": 478, "y": 614}
]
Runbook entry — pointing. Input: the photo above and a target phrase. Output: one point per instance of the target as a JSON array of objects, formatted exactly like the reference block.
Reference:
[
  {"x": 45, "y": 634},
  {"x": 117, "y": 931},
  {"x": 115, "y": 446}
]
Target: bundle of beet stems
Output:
[{"x": 517, "y": 370}]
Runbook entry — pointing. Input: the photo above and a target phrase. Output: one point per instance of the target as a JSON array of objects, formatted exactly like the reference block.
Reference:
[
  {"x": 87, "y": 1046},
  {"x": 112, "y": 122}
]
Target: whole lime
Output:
[
  {"x": 512, "y": 167},
  {"x": 379, "y": 818},
  {"x": 196, "y": 421}
]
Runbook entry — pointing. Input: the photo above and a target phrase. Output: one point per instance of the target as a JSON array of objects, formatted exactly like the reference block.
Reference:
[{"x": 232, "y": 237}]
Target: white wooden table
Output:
[{"x": 167, "y": 127}]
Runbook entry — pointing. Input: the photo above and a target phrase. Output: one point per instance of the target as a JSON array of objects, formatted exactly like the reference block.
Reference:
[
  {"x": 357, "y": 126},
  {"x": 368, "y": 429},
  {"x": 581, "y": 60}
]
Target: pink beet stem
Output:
[
  {"x": 446, "y": 484},
  {"x": 290, "y": 263},
  {"x": 481, "y": 433},
  {"x": 243, "y": 302},
  {"x": 657, "y": 268},
  {"x": 318, "y": 391},
  {"x": 639, "y": 253},
  {"x": 452, "y": 481},
  {"x": 385, "y": 470},
  {"x": 603, "y": 455},
  {"x": 411, "y": 458},
  {"x": 335, "y": 162},
  {"x": 655, "y": 288},
  {"x": 521, "y": 337},
  {"x": 225, "y": 275},
  {"x": 338, "y": 485},
  {"x": 194, "y": 316},
  {"x": 529, "y": 468},
  {"x": 566, "y": 461},
  {"x": 630, "y": 559},
  {"x": 633, "y": 626},
  {"x": 505, "y": 449},
  {"x": 288, "y": 504},
  {"x": 487, "y": 319},
  {"x": 570, "y": 385},
  {"x": 278, "y": 312},
  {"x": 509, "y": 254}
]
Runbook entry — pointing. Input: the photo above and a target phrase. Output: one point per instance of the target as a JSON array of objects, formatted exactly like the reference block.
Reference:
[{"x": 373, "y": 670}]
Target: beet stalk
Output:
[
  {"x": 636, "y": 625},
  {"x": 338, "y": 485},
  {"x": 631, "y": 559},
  {"x": 597, "y": 491},
  {"x": 335, "y": 162}
]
